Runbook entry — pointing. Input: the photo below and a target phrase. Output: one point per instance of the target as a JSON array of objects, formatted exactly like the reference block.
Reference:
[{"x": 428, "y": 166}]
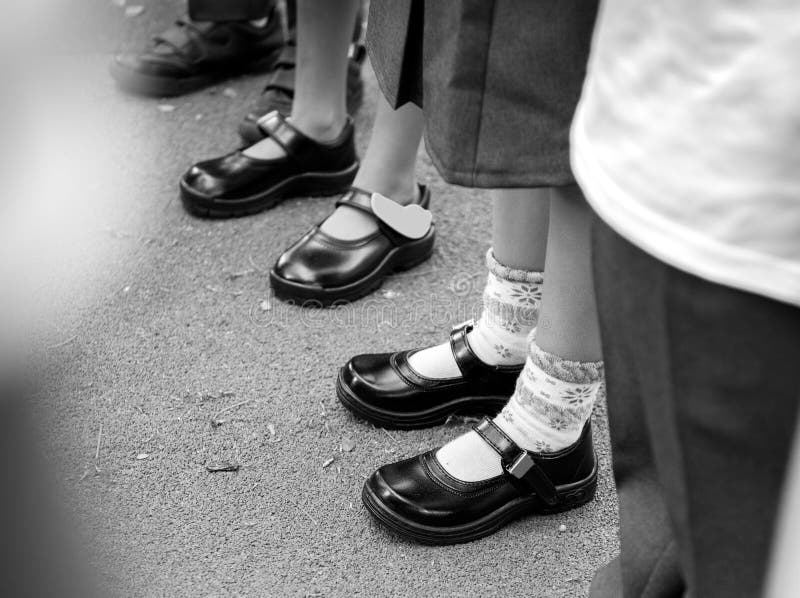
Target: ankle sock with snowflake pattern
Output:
[
  {"x": 552, "y": 402},
  {"x": 511, "y": 301}
]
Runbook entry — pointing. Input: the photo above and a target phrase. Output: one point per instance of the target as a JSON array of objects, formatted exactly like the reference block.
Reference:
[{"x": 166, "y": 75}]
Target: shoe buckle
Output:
[{"x": 521, "y": 465}]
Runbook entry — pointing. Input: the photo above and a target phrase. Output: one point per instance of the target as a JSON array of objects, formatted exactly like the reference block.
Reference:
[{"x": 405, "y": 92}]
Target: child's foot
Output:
[
  {"x": 419, "y": 499},
  {"x": 385, "y": 390},
  {"x": 331, "y": 264},
  {"x": 535, "y": 457},
  {"x": 238, "y": 183},
  {"x": 475, "y": 371},
  {"x": 511, "y": 301},
  {"x": 347, "y": 223}
]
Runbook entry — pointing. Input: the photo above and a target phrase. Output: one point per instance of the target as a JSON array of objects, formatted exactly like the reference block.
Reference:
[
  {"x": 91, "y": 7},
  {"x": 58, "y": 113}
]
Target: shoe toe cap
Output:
[
  {"x": 294, "y": 266},
  {"x": 404, "y": 489},
  {"x": 371, "y": 377},
  {"x": 202, "y": 182}
]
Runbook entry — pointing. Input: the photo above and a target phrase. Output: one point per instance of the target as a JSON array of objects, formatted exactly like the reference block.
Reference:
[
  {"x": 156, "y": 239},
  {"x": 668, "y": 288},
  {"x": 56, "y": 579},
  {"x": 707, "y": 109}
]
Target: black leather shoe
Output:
[
  {"x": 279, "y": 91},
  {"x": 237, "y": 185},
  {"x": 322, "y": 270},
  {"x": 192, "y": 55},
  {"x": 384, "y": 390},
  {"x": 418, "y": 499}
]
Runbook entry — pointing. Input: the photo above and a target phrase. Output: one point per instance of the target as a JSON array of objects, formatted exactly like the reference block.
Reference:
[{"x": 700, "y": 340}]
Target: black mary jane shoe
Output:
[
  {"x": 418, "y": 499},
  {"x": 383, "y": 389},
  {"x": 237, "y": 185},
  {"x": 321, "y": 270}
]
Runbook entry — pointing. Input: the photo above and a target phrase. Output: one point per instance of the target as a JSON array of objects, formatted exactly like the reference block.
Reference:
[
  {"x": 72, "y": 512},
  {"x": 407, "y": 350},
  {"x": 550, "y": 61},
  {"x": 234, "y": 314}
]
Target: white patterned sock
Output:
[
  {"x": 511, "y": 301},
  {"x": 552, "y": 402}
]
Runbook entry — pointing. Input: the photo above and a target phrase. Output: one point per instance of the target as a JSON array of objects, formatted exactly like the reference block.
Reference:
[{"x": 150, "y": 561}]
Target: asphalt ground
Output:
[{"x": 157, "y": 324}]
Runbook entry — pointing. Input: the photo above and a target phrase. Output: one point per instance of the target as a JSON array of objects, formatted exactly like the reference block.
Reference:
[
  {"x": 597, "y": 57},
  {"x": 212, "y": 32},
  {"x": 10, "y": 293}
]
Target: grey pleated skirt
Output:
[{"x": 498, "y": 80}]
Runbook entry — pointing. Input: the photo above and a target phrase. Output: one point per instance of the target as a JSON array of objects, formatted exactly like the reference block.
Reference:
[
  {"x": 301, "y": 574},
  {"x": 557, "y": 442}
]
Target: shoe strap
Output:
[
  {"x": 361, "y": 200},
  {"x": 466, "y": 360},
  {"x": 358, "y": 199},
  {"x": 274, "y": 125},
  {"x": 517, "y": 463}
]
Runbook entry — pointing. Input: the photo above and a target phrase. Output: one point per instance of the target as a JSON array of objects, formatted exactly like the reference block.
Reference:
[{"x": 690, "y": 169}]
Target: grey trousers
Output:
[{"x": 703, "y": 388}]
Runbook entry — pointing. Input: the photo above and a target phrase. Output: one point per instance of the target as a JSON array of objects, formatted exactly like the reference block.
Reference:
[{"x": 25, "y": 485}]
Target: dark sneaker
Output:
[{"x": 192, "y": 55}]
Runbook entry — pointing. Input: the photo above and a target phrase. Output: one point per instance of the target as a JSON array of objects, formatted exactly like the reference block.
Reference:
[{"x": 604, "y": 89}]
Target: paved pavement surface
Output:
[{"x": 160, "y": 323}]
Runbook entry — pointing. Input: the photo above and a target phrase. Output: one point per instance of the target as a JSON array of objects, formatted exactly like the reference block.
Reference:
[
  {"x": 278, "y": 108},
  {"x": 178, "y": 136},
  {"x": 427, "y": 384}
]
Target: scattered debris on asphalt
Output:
[
  {"x": 255, "y": 267},
  {"x": 218, "y": 466},
  {"x": 327, "y": 463},
  {"x": 99, "y": 440},
  {"x": 166, "y": 107},
  {"x": 134, "y": 10},
  {"x": 265, "y": 305},
  {"x": 385, "y": 431},
  {"x": 216, "y": 421},
  {"x": 229, "y": 92},
  {"x": 239, "y": 274},
  {"x": 62, "y": 343},
  {"x": 348, "y": 445},
  {"x": 271, "y": 438},
  {"x": 142, "y": 456},
  {"x": 562, "y": 528}
]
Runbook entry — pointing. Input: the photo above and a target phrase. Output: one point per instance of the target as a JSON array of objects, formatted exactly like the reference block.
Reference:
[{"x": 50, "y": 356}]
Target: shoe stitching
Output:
[
  {"x": 438, "y": 384},
  {"x": 491, "y": 487}
]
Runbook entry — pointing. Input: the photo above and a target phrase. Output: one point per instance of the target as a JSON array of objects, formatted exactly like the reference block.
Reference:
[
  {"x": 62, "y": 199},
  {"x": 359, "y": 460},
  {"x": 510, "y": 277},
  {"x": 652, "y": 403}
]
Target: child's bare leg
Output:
[
  {"x": 510, "y": 299},
  {"x": 563, "y": 372},
  {"x": 387, "y": 168},
  {"x": 324, "y": 32}
]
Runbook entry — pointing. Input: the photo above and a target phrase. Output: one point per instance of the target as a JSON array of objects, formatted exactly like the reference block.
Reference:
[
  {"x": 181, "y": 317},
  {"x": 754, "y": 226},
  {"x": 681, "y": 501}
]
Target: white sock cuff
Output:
[
  {"x": 564, "y": 370},
  {"x": 511, "y": 274},
  {"x": 553, "y": 400}
]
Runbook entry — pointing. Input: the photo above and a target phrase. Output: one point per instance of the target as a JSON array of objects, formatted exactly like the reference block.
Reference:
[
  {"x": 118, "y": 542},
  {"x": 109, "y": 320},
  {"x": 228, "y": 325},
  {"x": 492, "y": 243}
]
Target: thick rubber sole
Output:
[
  {"x": 397, "y": 260},
  {"x": 428, "y": 418},
  {"x": 570, "y": 496},
  {"x": 149, "y": 85},
  {"x": 302, "y": 185}
]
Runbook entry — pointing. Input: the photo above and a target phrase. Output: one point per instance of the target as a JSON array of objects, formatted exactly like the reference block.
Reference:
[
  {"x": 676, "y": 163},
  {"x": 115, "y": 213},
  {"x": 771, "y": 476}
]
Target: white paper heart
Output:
[{"x": 412, "y": 221}]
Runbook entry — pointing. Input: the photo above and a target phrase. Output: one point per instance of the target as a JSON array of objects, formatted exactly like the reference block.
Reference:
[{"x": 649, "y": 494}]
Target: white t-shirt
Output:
[{"x": 687, "y": 137}]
